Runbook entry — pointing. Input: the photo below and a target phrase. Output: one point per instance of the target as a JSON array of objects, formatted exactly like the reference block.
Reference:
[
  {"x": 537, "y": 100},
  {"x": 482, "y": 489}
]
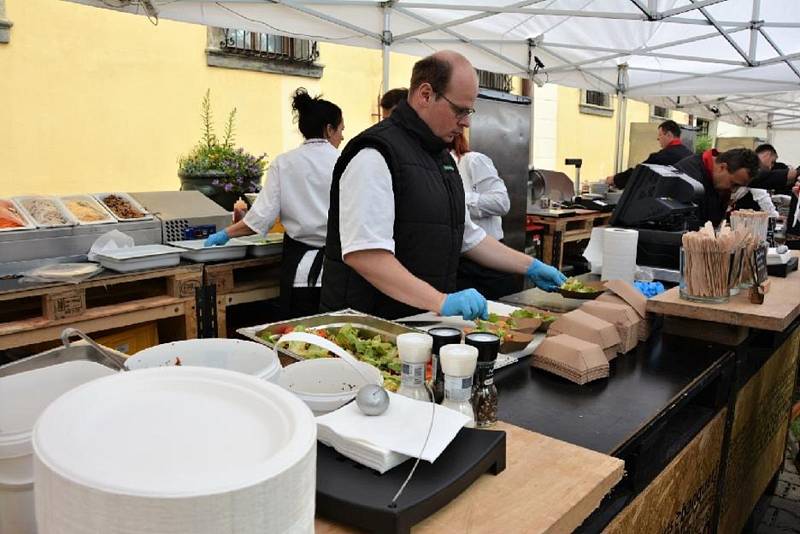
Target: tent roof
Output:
[{"x": 670, "y": 47}]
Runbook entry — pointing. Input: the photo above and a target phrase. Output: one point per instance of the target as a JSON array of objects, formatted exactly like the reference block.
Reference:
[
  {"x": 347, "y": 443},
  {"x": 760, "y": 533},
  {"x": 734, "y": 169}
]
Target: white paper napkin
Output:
[{"x": 401, "y": 429}]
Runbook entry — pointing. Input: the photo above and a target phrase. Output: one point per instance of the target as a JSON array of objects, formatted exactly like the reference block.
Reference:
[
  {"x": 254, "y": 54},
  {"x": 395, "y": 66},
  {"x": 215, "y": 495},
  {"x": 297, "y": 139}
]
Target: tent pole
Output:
[
  {"x": 770, "y": 133},
  {"x": 385, "y": 52},
  {"x": 622, "y": 112}
]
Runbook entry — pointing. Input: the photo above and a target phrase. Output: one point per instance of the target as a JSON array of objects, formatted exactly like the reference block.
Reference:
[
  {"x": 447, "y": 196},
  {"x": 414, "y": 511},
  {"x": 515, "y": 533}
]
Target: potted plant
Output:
[{"x": 217, "y": 169}]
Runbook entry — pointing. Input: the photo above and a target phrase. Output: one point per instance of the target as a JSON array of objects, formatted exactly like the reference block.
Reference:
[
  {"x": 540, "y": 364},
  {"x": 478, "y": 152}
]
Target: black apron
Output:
[
  {"x": 293, "y": 252},
  {"x": 490, "y": 283}
]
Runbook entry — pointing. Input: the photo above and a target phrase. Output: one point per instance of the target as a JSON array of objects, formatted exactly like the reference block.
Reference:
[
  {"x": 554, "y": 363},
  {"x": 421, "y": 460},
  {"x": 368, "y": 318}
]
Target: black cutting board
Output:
[{"x": 355, "y": 495}]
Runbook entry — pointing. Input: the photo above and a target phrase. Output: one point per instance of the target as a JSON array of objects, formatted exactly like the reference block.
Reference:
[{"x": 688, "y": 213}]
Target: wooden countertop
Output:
[
  {"x": 548, "y": 486},
  {"x": 781, "y": 306}
]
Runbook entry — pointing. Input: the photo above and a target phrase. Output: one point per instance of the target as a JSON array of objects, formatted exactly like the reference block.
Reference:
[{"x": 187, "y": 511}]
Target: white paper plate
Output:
[{"x": 174, "y": 432}]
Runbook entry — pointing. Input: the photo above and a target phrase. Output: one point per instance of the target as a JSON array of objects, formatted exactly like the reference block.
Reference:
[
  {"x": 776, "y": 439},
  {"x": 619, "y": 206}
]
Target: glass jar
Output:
[
  {"x": 705, "y": 276},
  {"x": 484, "y": 392}
]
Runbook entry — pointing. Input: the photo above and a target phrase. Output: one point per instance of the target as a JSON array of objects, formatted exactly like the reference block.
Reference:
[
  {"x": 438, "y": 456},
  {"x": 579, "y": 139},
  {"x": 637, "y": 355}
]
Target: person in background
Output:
[
  {"x": 773, "y": 175},
  {"x": 390, "y": 99},
  {"x": 298, "y": 190},
  {"x": 398, "y": 222},
  {"x": 487, "y": 202},
  {"x": 721, "y": 175},
  {"x": 672, "y": 151}
]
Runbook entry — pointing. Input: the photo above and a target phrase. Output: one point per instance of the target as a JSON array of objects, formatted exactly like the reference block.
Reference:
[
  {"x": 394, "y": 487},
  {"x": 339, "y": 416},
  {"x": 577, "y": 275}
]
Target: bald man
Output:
[{"x": 398, "y": 223}]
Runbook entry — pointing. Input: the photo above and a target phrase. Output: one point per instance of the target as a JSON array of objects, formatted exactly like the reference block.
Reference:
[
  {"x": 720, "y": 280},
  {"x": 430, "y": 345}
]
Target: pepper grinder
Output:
[
  {"x": 484, "y": 393},
  {"x": 441, "y": 336}
]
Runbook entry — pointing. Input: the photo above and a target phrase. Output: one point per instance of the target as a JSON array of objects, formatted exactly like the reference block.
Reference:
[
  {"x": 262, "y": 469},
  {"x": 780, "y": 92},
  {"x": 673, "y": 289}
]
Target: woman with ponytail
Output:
[{"x": 298, "y": 190}]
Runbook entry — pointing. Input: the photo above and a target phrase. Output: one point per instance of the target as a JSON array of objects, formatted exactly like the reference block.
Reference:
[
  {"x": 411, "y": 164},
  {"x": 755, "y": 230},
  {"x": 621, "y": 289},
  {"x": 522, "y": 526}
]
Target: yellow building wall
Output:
[{"x": 97, "y": 100}]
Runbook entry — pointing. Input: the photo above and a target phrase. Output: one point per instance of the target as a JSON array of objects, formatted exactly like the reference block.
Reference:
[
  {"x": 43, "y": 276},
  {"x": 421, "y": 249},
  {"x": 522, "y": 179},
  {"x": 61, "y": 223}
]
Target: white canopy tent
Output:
[{"x": 680, "y": 53}]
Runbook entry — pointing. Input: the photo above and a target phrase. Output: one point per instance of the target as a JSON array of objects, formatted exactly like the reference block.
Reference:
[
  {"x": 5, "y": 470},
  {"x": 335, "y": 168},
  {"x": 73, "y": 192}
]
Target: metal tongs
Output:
[{"x": 115, "y": 361}]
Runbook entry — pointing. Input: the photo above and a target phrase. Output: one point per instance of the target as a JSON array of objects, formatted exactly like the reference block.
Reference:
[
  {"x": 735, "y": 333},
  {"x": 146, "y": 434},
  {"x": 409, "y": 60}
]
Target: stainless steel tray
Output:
[{"x": 388, "y": 330}]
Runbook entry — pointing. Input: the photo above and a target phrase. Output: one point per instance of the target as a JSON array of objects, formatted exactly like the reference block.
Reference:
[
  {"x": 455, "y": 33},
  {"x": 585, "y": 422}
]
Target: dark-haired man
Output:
[
  {"x": 398, "y": 223},
  {"x": 672, "y": 151},
  {"x": 390, "y": 99},
  {"x": 721, "y": 175}
]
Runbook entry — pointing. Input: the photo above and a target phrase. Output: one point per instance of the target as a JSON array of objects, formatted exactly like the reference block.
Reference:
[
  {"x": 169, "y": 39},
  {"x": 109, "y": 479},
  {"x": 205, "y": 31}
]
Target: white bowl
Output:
[
  {"x": 245, "y": 357},
  {"x": 326, "y": 384}
]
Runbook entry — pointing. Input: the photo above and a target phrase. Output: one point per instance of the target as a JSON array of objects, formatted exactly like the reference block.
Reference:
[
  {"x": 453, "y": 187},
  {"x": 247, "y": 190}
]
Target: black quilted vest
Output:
[{"x": 429, "y": 215}]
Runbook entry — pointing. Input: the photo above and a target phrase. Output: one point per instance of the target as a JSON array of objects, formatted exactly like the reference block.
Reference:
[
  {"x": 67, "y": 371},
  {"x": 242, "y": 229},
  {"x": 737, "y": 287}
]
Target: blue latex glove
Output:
[
  {"x": 545, "y": 276},
  {"x": 219, "y": 238},
  {"x": 649, "y": 289},
  {"x": 468, "y": 303}
]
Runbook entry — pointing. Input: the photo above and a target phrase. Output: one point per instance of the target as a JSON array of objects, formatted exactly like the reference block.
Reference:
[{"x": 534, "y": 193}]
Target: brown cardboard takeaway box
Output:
[
  {"x": 571, "y": 358},
  {"x": 625, "y": 293},
  {"x": 589, "y": 328},
  {"x": 620, "y": 315}
]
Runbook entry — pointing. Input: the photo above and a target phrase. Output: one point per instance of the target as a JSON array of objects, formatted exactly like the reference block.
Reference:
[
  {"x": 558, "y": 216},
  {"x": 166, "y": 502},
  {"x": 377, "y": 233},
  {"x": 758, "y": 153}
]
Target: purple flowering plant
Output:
[{"x": 236, "y": 170}]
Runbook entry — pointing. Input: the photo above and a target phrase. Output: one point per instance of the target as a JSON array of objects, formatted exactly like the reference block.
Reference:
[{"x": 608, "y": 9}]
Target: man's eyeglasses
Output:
[{"x": 459, "y": 112}]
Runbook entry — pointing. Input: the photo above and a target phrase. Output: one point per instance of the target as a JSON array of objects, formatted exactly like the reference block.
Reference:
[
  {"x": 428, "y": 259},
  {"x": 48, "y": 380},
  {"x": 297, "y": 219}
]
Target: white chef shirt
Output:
[
  {"x": 761, "y": 197},
  {"x": 298, "y": 189},
  {"x": 366, "y": 207},
  {"x": 485, "y": 192}
]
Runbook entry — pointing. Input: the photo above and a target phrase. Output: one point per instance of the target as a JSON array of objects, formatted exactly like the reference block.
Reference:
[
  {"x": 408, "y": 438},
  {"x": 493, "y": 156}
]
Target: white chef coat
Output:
[
  {"x": 762, "y": 198},
  {"x": 366, "y": 207},
  {"x": 298, "y": 189},
  {"x": 485, "y": 192}
]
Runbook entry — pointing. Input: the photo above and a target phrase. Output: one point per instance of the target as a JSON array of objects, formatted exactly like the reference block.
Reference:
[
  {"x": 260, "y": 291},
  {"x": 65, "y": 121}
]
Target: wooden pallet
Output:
[
  {"x": 561, "y": 230},
  {"x": 38, "y": 314},
  {"x": 243, "y": 281}
]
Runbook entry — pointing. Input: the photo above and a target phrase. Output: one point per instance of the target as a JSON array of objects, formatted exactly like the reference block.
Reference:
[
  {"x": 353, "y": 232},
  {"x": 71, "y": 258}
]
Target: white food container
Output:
[
  {"x": 195, "y": 250},
  {"x": 326, "y": 384},
  {"x": 245, "y": 357},
  {"x": 140, "y": 257},
  {"x": 260, "y": 246},
  {"x": 23, "y": 397},
  {"x": 29, "y": 224},
  {"x": 102, "y": 196},
  {"x": 22, "y": 201},
  {"x": 109, "y": 218}
]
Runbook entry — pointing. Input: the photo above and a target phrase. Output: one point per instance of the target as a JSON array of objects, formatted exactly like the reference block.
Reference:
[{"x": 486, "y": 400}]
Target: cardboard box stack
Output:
[
  {"x": 589, "y": 328},
  {"x": 620, "y": 315},
  {"x": 571, "y": 358},
  {"x": 624, "y": 293}
]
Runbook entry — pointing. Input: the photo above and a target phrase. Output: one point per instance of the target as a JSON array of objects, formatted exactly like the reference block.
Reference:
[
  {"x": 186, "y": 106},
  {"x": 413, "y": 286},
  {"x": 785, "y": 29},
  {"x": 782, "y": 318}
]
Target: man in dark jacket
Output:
[
  {"x": 672, "y": 151},
  {"x": 398, "y": 222},
  {"x": 773, "y": 175},
  {"x": 720, "y": 174}
]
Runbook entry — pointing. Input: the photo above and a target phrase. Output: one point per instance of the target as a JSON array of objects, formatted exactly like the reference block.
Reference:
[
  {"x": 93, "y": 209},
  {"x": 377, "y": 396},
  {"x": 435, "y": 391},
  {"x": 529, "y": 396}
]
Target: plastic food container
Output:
[
  {"x": 23, "y": 397},
  {"x": 93, "y": 212},
  {"x": 195, "y": 250},
  {"x": 232, "y": 354},
  {"x": 260, "y": 246},
  {"x": 139, "y": 257},
  {"x": 130, "y": 200},
  {"x": 29, "y": 205},
  {"x": 27, "y": 223}
]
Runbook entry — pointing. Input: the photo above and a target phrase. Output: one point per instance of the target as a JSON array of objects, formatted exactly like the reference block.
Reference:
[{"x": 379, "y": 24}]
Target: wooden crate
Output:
[
  {"x": 243, "y": 281},
  {"x": 758, "y": 435},
  {"x": 39, "y": 314},
  {"x": 681, "y": 498},
  {"x": 561, "y": 230}
]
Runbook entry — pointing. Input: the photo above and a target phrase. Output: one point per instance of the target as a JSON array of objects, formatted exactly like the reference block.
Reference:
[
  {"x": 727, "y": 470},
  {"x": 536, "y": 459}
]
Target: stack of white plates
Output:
[{"x": 179, "y": 450}]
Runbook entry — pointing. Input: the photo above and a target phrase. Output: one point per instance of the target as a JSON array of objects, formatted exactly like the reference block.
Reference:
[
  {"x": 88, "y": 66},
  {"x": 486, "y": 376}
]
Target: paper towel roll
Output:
[{"x": 619, "y": 254}]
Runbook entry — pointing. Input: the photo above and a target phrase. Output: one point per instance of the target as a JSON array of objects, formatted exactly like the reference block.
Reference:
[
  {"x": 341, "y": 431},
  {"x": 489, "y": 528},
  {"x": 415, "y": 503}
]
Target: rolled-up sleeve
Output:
[
  {"x": 473, "y": 234},
  {"x": 267, "y": 206},
  {"x": 366, "y": 204}
]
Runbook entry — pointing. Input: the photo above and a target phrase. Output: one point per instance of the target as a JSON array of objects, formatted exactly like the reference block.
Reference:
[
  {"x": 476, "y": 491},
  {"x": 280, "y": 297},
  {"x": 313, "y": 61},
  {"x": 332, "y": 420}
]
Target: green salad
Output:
[
  {"x": 575, "y": 285},
  {"x": 372, "y": 350},
  {"x": 529, "y": 314}
]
